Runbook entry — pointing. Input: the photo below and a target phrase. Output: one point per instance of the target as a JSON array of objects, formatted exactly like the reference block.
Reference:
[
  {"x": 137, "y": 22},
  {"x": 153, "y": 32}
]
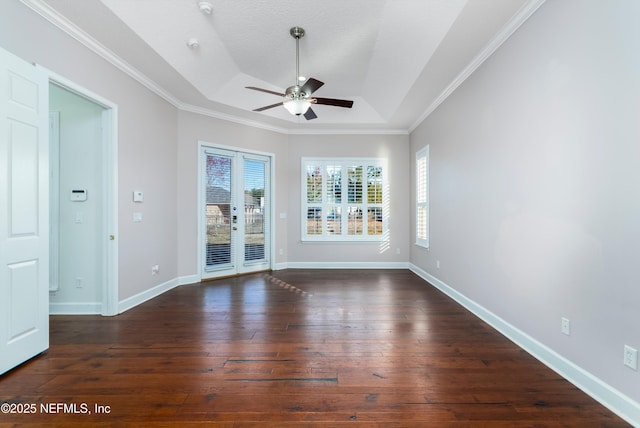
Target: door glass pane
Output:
[
  {"x": 218, "y": 211},
  {"x": 254, "y": 210}
]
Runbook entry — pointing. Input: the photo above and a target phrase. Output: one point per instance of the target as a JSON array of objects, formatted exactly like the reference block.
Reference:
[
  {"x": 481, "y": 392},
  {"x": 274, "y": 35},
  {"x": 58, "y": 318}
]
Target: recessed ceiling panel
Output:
[
  {"x": 395, "y": 59},
  {"x": 371, "y": 50}
]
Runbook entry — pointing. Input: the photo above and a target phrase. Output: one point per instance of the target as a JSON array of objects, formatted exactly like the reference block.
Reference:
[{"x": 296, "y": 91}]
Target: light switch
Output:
[
  {"x": 137, "y": 217},
  {"x": 138, "y": 196},
  {"x": 79, "y": 217}
]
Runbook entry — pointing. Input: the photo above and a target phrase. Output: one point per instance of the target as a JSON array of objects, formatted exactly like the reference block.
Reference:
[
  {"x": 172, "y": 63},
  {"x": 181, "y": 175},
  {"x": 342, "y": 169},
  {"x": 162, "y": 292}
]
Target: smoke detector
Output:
[
  {"x": 205, "y": 7},
  {"x": 193, "y": 43}
]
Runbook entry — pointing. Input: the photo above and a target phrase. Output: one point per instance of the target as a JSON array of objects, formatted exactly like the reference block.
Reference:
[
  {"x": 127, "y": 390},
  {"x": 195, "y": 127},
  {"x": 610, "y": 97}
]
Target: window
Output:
[
  {"x": 422, "y": 197},
  {"x": 331, "y": 214}
]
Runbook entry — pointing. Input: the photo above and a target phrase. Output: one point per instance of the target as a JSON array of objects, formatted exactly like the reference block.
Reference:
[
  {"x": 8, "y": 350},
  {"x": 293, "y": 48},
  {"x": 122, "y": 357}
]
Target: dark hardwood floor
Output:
[{"x": 301, "y": 348}]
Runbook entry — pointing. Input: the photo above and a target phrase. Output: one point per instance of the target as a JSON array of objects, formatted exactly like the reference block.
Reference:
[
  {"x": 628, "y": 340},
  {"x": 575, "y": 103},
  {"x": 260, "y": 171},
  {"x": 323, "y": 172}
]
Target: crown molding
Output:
[
  {"x": 69, "y": 28},
  {"x": 347, "y": 131},
  {"x": 502, "y": 36},
  {"x": 51, "y": 15},
  {"x": 289, "y": 131},
  {"x": 230, "y": 118}
]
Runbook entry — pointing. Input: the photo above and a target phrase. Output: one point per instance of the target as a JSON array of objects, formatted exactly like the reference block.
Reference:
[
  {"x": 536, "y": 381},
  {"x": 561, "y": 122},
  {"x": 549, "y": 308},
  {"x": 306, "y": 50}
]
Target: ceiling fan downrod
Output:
[{"x": 297, "y": 33}]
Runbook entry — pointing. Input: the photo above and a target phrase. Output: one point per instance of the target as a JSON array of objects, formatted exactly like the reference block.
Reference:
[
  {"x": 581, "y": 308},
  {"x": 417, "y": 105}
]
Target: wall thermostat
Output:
[{"x": 78, "y": 195}]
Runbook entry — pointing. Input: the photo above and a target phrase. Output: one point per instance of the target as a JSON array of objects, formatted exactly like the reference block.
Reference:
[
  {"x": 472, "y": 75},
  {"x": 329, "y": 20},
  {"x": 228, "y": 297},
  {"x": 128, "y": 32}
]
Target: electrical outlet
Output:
[
  {"x": 155, "y": 269},
  {"x": 566, "y": 326},
  {"x": 630, "y": 357},
  {"x": 79, "y": 282},
  {"x": 437, "y": 264}
]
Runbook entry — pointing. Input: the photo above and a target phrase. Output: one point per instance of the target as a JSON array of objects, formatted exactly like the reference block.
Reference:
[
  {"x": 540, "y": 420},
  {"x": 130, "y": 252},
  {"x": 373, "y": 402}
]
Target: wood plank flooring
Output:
[{"x": 293, "y": 348}]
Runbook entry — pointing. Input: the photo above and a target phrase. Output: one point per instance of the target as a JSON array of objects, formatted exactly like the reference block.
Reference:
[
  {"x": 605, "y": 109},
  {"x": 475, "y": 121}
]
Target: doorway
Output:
[
  {"x": 25, "y": 215},
  {"x": 83, "y": 271},
  {"x": 235, "y": 212}
]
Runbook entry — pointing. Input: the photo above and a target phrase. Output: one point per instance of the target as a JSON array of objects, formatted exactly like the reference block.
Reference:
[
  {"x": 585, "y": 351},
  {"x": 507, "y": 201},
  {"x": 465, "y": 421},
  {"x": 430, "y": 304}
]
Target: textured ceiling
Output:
[{"x": 394, "y": 58}]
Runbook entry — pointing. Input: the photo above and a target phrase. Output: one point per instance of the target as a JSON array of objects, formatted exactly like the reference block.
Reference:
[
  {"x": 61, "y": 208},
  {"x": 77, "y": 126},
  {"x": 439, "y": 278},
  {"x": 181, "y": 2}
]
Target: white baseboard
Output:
[
  {"x": 189, "y": 279},
  {"x": 346, "y": 265},
  {"x": 608, "y": 396},
  {"x": 93, "y": 308},
  {"x": 279, "y": 266},
  {"x": 130, "y": 302}
]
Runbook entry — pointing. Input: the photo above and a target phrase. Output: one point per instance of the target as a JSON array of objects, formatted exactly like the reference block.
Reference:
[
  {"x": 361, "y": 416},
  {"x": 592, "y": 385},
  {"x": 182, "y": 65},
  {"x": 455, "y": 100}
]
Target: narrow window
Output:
[{"x": 422, "y": 197}]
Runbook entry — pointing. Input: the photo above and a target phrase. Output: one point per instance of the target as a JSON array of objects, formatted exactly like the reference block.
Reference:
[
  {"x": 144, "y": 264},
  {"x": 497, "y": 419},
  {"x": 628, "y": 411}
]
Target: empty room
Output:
[{"x": 380, "y": 213}]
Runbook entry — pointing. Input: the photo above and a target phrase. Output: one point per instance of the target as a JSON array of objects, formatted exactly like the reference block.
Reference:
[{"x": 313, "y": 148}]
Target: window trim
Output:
[
  {"x": 422, "y": 198},
  {"x": 344, "y": 163}
]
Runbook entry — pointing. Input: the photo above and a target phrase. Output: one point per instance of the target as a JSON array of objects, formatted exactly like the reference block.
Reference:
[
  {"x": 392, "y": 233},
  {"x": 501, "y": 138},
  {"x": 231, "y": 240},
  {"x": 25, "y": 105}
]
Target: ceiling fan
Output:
[{"x": 297, "y": 98}]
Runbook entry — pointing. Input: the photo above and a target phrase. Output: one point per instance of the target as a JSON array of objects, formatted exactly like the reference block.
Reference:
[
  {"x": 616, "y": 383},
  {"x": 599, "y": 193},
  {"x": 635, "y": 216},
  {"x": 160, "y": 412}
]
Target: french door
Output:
[{"x": 235, "y": 212}]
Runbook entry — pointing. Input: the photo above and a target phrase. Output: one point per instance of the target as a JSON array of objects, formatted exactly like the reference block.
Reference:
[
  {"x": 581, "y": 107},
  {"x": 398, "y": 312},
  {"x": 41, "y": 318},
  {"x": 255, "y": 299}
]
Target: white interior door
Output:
[
  {"x": 24, "y": 211},
  {"x": 235, "y": 205}
]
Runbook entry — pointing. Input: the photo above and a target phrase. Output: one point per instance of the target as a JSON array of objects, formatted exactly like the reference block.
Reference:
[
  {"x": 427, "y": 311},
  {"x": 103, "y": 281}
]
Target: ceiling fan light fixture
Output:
[
  {"x": 297, "y": 106},
  {"x": 298, "y": 98}
]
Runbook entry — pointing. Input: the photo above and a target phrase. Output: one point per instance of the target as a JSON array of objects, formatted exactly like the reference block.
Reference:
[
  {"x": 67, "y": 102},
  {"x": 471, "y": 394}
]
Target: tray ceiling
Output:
[{"x": 397, "y": 59}]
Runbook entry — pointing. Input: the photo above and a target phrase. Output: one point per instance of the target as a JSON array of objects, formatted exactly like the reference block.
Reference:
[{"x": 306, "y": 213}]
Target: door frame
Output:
[
  {"x": 54, "y": 201},
  {"x": 201, "y": 220},
  {"x": 109, "y": 189}
]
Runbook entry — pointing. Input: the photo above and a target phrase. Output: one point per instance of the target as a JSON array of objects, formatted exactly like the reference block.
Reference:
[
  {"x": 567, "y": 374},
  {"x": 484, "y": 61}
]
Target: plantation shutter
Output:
[
  {"x": 343, "y": 199},
  {"x": 422, "y": 197}
]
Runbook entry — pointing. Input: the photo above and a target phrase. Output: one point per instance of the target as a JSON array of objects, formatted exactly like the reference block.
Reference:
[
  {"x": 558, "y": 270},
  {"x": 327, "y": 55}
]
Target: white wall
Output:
[
  {"x": 535, "y": 184},
  {"x": 394, "y": 148},
  {"x": 288, "y": 151},
  {"x": 80, "y": 167},
  {"x": 147, "y": 134},
  {"x": 534, "y": 177},
  {"x": 194, "y": 128}
]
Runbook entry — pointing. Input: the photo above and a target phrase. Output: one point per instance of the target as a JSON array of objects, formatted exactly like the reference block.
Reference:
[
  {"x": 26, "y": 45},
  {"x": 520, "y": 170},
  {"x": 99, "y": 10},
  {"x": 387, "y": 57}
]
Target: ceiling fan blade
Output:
[
  {"x": 310, "y": 114},
  {"x": 265, "y": 90},
  {"x": 268, "y": 107},
  {"x": 334, "y": 102},
  {"x": 311, "y": 85}
]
